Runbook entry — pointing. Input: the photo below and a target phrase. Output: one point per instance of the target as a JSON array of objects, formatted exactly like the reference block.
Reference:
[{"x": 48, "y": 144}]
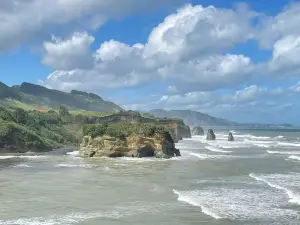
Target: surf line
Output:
[{"x": 294, "y": 198}]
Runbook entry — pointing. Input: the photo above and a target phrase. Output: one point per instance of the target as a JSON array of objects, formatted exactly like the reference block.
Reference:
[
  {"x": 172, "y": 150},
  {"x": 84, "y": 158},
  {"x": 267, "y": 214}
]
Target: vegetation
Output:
[
  {"x": 121, "y": 130},
  {"x": 34, "y": 130}
]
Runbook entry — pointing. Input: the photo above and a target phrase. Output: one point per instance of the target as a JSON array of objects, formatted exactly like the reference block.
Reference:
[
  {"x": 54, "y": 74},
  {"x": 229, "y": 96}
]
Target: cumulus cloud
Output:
[
  {"x": 69, "y": 54},
  {"x": 285, "y": 61},
  {"x": 185, "y": 48},
  {"x": 25, "y": 20},
  {"x": 273, "y": 28}
]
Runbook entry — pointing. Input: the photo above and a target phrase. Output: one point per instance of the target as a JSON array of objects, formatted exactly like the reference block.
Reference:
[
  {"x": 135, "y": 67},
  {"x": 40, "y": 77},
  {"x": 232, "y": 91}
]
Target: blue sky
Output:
[{"x": 236, "y": 60}]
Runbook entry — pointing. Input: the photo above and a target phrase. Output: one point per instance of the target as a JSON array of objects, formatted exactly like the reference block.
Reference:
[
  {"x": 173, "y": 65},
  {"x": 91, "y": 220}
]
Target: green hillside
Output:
[{"x": 31, "y": 96}]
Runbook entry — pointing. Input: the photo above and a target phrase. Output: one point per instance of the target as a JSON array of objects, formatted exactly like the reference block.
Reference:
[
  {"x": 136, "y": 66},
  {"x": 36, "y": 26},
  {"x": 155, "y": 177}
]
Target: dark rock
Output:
[
  {"x": 210, "y": 135},
  {"x": 198, "y": 131},
  {"x": 230, "y": 137}
]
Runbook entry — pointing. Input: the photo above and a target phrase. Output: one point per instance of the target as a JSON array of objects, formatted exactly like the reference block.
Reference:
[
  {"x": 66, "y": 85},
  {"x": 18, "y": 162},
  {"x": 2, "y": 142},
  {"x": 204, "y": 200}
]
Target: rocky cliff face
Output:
[
  {"x": 178, "y": 129},
  {"x": 159, "y": 146}
]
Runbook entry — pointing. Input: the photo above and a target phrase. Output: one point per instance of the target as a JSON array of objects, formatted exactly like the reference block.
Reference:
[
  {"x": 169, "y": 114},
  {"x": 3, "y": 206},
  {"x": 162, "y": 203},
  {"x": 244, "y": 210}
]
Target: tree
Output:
[
  {"x": 20, "y": 115},
  {"x": 63, "y": 111}
]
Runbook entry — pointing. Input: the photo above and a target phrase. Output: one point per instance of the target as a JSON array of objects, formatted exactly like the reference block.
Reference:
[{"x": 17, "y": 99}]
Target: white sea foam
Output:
[
  {"x": 261, "y": 144},
  {"x": 213, "y": 149},
  {"x": 22, "y": 166},
  {"x": 206, "y": 156},
  {"x": 284, "y": 152},
  {"x": 73, "y": 218},
  {"x": 87, "y": 166},
  {"x": 74, "y": 153},
  {"x": 22, "y": 156},
  {"x": 294, "y": 198},
  {"x": 79, "y": 217},
  {"x": 294, "y": 157},
  {"x": 7, "y": 157},
  {"x": 287, "y": 144},
  {"x": 219, "y": 201},
  {"x": 190, "y": 200}
]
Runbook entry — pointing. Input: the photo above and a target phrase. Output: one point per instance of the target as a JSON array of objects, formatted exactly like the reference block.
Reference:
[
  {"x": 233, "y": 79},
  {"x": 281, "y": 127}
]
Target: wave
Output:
[
  {"x": 205, "y": 156},
  {"x": 294, "y": 198},
  {"x": 74, "y": 153},
  {"x": 294, "y": 157},
  {"x": 87, "y": 166},
  {"x": 286, "y": 144},
  {"x": 22, "y": 166},
  {"x": 283, "y": 153},
  {"x": 64, "y": 219},
  {"x": 81, "y": 217},
  {"x": 213, "y": 149},
  {"x": 189, "y": 199},
  {"x": 22, "y": 156}
]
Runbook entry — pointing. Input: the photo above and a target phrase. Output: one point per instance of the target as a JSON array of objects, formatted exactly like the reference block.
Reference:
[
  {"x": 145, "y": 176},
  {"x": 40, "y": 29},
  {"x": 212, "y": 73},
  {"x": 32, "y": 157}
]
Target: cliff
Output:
[
  {"x": 177, "y": 128},
  {"x": 127, "y": 140}
]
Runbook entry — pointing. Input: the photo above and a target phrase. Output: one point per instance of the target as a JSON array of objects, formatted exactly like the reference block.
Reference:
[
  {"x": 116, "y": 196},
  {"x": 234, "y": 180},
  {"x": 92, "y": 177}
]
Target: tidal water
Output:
[{"x": 253, "y": 180}]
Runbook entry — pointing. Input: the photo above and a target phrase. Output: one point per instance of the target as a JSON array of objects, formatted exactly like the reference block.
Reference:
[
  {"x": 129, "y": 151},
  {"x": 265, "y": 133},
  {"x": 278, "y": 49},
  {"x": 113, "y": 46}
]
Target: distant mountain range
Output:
[
  {"x": 193, "y": 118},
  {"x": 37, "y": 95},
  {"x": 31, "y": 96}
]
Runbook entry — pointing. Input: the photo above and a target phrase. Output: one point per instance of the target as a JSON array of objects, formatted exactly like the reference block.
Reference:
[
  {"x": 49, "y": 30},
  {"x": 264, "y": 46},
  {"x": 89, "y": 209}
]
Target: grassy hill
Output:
[{"x": 31, "y": 96}]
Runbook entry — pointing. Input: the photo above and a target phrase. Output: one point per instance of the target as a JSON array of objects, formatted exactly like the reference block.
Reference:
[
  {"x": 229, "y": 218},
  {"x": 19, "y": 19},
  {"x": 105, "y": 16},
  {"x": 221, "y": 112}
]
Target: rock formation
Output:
[
  {"x": 198, "y": 131},
  {"x": 178, "y": 129},
  {"x": 230, "y": 137},
  {"x": 210, "y": 135},
  {"x": 160, "y": 145}
]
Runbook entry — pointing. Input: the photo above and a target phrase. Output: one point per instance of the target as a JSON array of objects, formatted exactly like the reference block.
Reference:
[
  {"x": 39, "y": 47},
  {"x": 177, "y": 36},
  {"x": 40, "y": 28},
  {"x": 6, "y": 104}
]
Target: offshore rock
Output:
[
  {"x": 210, "y": 135},
  {"x": 230, "y": 137},
  {"x": 198, "y": 131},
  {"x": 159, "y": 146}
]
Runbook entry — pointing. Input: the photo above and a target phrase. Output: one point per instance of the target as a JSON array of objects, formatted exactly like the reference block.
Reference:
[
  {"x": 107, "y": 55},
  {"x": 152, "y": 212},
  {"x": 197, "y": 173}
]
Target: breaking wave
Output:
[
  {"x": 294, "y": 157},
  {"x": 182, "y": 197},
  {"x": 213, "y": 149},
  {"x": 283, "y": 152},
  {"x": 87, "y": 166},
  {"x": 22, "y": 156},
  {"x": 294, "y": 198}
]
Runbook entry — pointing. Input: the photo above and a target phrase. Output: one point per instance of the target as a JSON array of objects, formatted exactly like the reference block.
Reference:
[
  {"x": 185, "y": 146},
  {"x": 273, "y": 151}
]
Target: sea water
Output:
[{"x": 253, "y": 180}]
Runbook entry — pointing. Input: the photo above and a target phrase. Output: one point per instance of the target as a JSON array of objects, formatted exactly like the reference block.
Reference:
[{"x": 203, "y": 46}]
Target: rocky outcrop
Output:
[
  {"x": 210, "y": 135},
  {"x": 178, "y": 131},
  {"x": 198, "y": 131},
  {"x": 159, "y": 146},
  {"x": 230, "y": 137}
]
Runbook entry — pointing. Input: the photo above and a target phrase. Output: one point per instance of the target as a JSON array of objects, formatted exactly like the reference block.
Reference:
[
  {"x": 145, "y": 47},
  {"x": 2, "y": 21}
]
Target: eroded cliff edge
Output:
[{"x": 128, "y": 140}]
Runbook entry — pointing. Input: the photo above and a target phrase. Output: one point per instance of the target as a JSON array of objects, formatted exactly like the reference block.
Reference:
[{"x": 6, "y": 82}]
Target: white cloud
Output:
[
  {"x": 286, "y": 61},
  {"x": 273, "y": 28},
  {"x": 185, "y": 48},
  {"x": 196, "y": 30},
  {"x": 69, "y": 54},
  {"x": 26, "y": 20}
]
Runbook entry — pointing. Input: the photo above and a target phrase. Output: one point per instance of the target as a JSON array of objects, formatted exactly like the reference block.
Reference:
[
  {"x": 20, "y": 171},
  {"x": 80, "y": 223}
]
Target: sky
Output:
[{"x": 238, "y": 60}]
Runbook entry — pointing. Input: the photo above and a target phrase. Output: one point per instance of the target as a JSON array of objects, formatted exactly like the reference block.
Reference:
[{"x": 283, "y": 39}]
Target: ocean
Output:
[{"x": 253, "y": 180}]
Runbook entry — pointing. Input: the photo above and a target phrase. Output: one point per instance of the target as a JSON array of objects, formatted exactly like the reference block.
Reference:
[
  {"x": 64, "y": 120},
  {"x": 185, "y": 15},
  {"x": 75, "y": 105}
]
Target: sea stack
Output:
[
  {"x": 230, "y": 137},
  {"x": 198, "y": 131},
  {"x": 210, "y": 135}
]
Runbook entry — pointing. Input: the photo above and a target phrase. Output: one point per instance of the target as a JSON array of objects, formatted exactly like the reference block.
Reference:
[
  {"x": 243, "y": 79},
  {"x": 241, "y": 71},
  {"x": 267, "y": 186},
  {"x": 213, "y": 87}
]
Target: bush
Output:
[
  {"x": 20, "y": 115},
  {"x": 5, "y": 115},
  {"x": 120, "y": 130},
  {"x": 16, "y": 135}
]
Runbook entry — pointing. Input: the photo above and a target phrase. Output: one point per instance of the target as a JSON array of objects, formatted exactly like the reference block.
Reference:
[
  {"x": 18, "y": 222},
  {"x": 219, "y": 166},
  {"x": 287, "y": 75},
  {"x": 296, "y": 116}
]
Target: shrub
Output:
[{"x": 120, "y": 130}]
